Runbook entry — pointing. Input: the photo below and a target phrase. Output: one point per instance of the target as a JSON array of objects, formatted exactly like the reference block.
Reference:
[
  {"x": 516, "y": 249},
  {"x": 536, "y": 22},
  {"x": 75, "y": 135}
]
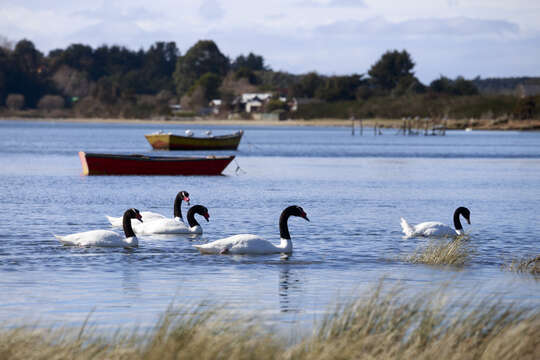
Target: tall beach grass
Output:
[
  {"x": 442, "y": 252},
  {"x": 385, "y": 324},
  {"x": 529, "y": 265}
]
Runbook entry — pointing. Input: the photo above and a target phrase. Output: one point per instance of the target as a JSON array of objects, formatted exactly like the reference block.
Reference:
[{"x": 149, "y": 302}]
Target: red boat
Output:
[{"x": 111, "y": 164}]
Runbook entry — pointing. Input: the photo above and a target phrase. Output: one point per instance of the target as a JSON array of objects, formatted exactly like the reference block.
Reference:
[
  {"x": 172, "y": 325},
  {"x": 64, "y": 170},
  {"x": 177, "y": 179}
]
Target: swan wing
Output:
[
  {"x": 151, "y": 216},
  {"x": 162, "y": 226},
  {"x": 239, "y": 244},
  {"x": 105, "y": 238},
  {"x": 115, "y": 221},
  {"x": 434, "y": 229}
]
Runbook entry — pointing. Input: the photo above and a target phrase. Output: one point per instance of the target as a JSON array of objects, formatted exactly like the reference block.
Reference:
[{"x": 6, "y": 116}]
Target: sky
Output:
[{"x": 486, "y": 38}]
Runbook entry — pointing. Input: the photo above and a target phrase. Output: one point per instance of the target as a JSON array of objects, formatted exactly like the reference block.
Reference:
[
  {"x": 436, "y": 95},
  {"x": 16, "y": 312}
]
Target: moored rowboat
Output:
[
  {"x": 162, "y": 141},
  {"x": 112, "y": 164}
]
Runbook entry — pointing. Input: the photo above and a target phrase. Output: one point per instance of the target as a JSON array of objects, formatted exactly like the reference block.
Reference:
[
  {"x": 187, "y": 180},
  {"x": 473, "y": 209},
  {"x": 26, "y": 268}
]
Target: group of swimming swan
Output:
[{"x": 241, "y": 244}]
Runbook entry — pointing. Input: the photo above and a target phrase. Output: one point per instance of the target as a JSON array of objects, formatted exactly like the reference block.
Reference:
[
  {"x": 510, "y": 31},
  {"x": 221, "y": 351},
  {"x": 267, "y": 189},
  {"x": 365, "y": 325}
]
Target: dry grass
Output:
[
  {"x": 526, "y": 265},
  {"x": 386, "y": 325},
  {"x": 442, "y": 252}
]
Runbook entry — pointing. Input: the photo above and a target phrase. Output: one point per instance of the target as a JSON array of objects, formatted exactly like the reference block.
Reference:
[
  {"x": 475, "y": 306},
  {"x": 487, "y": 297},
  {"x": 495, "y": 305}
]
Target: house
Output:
[
  {"x": 215, "y": 105},
  {"x": 252, "y": 102}
]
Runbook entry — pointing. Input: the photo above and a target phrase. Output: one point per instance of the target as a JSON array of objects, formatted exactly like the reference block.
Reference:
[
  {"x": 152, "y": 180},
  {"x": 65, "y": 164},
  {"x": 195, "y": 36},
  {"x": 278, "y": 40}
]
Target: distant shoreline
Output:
[{"x": 452, "y": 124}]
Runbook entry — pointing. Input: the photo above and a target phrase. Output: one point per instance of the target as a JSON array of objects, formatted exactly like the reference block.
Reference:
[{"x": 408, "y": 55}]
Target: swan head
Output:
[
  {"x": 135, "y": 214},
  {"x": 466, "y": 213},
  {"x": 201, "y": 210},
  {"x": 184, "y": 195},
  {"x": 298, "y": 211}
]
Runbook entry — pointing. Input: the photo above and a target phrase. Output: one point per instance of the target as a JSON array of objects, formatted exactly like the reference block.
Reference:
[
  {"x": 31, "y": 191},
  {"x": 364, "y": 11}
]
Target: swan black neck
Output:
[
  {"x": 460, "y": 211},
  {"x": 178, "y": 205},
  {"x": 284, "y": 218},
  {"x": 283, "y": 224},
  {"x": 195, "y": 209},
  {"x": 126, "y": 222}
]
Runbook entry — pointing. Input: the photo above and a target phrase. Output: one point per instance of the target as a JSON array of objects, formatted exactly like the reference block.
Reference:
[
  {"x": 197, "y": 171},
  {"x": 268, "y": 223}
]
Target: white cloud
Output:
[
  {"x": 450, "y": 37},
  {"x": 332, "y": 3},
  {"x": 211, "y": 10},
  {"x": 450, "y": 27}
]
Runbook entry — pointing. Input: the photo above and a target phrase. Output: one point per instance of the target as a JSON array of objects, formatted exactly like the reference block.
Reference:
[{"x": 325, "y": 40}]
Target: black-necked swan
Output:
[
  {"x": 172, "y": 226},
  {"x": 437, "y": 229},
  {"x": 106, "y": 238},
  {"x": 252, "y": 244},
  {"x": 151, "y": 216}
]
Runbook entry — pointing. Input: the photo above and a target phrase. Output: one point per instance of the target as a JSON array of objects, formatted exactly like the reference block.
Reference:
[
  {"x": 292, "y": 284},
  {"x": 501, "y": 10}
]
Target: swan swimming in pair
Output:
[
  {"x": 243, "y": 244},
  {"x": 151, "y": 216},
  {"x": 437, "y": 229},
  {"x": 106, "y": 238}
]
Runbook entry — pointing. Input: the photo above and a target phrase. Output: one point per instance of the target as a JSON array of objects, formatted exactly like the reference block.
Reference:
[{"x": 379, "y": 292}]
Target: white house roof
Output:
[{"x": 250, "y": 96}]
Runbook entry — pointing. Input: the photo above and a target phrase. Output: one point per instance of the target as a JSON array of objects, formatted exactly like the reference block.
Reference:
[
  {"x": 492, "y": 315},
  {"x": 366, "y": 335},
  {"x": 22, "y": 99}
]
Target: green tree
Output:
[
  {"x": 248, "y": 74},
  {"x": 252, "y": 62},
  {"x": 460, "y": 86},
  {"x": 209, "y": 83},
  {"x": 390, "y": 68},
  {"x": 308, "y": 85},
  {"x": 337, "y": 88},
  {"x": 203, "y": 57}
]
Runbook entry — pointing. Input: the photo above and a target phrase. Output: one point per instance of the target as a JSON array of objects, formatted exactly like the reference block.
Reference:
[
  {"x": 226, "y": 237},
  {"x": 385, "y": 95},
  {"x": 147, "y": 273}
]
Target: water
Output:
[{"x": 354, "y": 190}]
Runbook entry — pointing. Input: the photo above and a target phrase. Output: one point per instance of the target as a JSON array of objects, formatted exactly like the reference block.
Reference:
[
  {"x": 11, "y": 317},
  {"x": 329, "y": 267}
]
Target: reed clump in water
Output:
[
  {"x": 442, "y": 252},
  {"x": 526, "y": 265},
  {"x": 386, "y": 325}
]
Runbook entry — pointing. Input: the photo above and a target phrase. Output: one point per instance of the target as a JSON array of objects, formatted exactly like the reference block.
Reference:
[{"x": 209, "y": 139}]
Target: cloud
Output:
[
  {"x": 451, "y": 27},
  {"x": 211, "y": 10},
  {"x": 332, "y": 4}
]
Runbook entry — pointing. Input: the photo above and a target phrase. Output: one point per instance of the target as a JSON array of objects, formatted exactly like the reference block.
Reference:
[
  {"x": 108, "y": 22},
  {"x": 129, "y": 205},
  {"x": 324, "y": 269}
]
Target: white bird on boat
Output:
[
  {"x": 174, "y": 226},
  {"x": 106, "y": 238},
  {"x": 149, "y": 216},
  {"x": 242, "y": 244},
  {"x": 437, "y": 229}
]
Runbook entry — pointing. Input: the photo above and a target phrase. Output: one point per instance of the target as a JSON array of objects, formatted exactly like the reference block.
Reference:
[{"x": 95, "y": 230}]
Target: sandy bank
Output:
[{"x": 477, "y": 124}]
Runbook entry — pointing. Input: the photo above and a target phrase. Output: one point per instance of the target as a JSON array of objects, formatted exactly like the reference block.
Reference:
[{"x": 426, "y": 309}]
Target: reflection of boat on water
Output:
[
  {"x": 113, "y": 164},
  {"x": 162, "y": 141}
]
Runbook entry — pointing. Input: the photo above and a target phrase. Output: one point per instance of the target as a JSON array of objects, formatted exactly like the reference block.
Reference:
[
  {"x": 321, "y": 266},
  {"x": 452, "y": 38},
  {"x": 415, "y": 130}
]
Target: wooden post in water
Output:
[{"x": 361, "y": 127}]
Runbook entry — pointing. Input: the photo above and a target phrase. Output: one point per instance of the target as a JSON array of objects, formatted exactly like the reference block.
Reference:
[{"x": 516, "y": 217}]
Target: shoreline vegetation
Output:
[
  {"x": 385, "y": 323},
  {"x": 203, "y": 84},
  {"x": 450, "y": 124}
]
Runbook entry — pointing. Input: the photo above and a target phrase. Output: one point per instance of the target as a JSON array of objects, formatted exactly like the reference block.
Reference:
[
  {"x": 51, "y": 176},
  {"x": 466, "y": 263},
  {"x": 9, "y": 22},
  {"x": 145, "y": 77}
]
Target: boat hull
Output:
[
  {"x": 109, "y": 164},
  {"x": 177, "y": 142}
]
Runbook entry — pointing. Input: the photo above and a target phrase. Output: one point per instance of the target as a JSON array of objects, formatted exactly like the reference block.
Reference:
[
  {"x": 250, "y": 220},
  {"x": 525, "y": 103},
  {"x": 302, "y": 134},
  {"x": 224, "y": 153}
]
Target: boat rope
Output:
[{"x": 238, "y": 169}]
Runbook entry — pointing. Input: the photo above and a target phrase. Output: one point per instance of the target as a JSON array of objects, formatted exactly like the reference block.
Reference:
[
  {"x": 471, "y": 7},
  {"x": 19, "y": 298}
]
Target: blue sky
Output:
[{"x": 449, "y": 37}]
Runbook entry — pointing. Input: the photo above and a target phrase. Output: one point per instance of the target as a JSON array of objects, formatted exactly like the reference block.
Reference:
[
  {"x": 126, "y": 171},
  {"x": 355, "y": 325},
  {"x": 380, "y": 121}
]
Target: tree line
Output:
[{"x": 115, "y": 75}]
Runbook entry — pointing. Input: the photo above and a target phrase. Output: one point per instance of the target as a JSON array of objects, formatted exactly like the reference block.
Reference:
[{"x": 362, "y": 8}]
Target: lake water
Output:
[{"x": 354, "y": 190}]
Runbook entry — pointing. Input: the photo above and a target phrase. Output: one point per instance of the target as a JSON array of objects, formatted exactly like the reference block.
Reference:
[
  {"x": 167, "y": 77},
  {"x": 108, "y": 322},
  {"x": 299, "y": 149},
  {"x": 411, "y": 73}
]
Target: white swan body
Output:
[
  {"x": 146, "y": 215},
  {"x": 166, "y": 226},
  {"x": 150, "y": 216},
  {"x": 245, "y": 244},
  {"x": 437, "y": 229},
  {"x": 174, "y": 226},
  {"x": 103, "y": 238},
  {"x": 106, "y": 238},
  {"x": 429, "y": 229}
]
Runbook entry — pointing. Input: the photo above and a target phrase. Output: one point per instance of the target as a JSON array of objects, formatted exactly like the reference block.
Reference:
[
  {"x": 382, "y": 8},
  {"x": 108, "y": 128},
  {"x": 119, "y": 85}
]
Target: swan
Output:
[
  {"x": 106, "y": 238},
  {"x": 252, "y": 244},
  {"x": 437, "y": 229},
  {"x": 151, "y": 216},
  {"x": 173, "y": 226}
]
